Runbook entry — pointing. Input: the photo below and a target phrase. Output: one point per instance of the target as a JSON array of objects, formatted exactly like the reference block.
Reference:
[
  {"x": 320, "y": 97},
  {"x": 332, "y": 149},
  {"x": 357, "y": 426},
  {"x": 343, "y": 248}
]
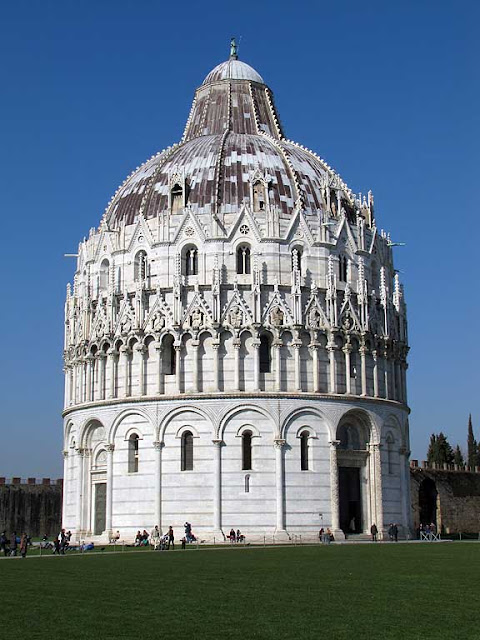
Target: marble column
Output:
[
  {"x": 332, "y": 383},
  {"x": 280, "y": 486},
  {"x": 277, "y": 345},
  {"x": 256, "y": 365},
  {"x": 158, "y": 446},
  {"x": 112, "y": 363},
  {"x": 178, "y": 364},
  {"x": 159, "y": 388},
  {"x": 89, "y": 367},
  {"x": 79, "y": 487},
  {"x": 141, "y": 350},
  {"x": 216, "y": 368},
  {"x": 124, "y": 350},
  {"x": 74, "y": 391},
  {"x": 316, "y": 377},
  {"x": 108, "y": 519},
  {"x": 386, "y": 365},
  {"x": 375, "y": 373},
  {"x": 296, "y": 355},
  {"x": 195, "y": 365},
  {"x": 347, "y": 349},
  {"x": 334, "y": 490},
  {"x": 102, "y": 362},
  {"x": 363, "y": 369},
  {"x": 236, "y": 367},
  {"x": 66, "y": 397},
  {"x": 376, "y": 486},
  {"x": 404, "y": 490},
  {"x": 66, "y": 482},
  {"x": 217, "y": 486}
]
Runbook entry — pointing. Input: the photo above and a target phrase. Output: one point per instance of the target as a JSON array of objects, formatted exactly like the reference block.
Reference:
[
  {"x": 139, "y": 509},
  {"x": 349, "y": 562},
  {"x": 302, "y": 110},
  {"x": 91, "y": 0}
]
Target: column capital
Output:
[
  {"x": 124, "y": 349},
  {"x": 65, "y": 453},
  {"x": 217, "y": 443},
  {"x": 110, "y": 448},
  {"x": 140, "y": 347},
  {"x": 374, "y": 446},
  {"x": 279, "y": 443},
  {"x": 158, "y": 445},
  {"x": 334, "y": 444}
]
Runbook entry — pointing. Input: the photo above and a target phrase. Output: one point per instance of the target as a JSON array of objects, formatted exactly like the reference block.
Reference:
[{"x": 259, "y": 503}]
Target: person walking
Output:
[
  {"x": 24, "y": 545},
  {"x": 374, "y": 532},
  {"x": 171, "y": 538}
]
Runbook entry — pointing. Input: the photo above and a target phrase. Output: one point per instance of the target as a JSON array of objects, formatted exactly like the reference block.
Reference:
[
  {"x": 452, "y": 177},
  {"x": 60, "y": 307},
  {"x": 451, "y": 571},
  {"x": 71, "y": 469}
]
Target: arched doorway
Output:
[
  {"x": 352, "y": 456},
  {"x": 427, "y": 502}
]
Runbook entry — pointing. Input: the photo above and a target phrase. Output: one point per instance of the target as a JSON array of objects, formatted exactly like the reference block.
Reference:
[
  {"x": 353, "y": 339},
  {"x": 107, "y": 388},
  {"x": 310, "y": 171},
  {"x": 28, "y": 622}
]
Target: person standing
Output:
[
  {"x": 395, "y": 532},
  {"x": 4, "y": 543},
  {"x": 24, "y": 545},
  {"x": 13, "y": 544},
  {"x": 374, "y": 532},
  {"x": 171, "y": 538},
  {"x": 155, "y": 537}
]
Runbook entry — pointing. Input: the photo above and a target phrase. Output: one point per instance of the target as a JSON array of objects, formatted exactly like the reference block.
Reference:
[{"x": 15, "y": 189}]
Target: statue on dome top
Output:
[{"x": 233, "y": 49}]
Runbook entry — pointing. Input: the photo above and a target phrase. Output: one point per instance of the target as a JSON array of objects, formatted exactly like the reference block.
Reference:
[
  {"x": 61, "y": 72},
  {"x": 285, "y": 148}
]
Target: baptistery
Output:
[{"x": 235, "y": 341}]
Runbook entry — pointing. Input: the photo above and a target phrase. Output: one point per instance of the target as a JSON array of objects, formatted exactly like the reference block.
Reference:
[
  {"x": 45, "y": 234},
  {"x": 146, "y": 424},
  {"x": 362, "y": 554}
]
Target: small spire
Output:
[{"x": 233, "y": 49}]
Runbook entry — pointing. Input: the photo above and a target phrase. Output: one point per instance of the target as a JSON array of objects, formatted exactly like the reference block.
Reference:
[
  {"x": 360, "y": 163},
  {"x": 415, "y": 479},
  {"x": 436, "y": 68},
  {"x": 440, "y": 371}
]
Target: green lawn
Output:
[{"x": 347, "y": 591}]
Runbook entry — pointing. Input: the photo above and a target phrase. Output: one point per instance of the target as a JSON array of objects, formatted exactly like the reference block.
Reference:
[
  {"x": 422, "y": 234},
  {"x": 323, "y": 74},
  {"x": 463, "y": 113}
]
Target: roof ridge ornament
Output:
[{"x": 233, "y": 49}]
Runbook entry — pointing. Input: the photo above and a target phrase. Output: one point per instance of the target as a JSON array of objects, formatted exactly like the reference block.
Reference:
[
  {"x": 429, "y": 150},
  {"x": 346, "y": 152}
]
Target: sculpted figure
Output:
[
  {"x": 314, "y": 318},
  {"x": 276, "y": 317},
  {"x": 236, "y": 317},
  {"x": 196, "y": 319},
  {"x": 158, "y": 321}
]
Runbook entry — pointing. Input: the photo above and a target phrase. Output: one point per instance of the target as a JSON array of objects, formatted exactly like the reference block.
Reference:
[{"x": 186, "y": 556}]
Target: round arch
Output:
[
  {"x": 89, "y": 425},
  {"x": 121, "y": 417},
  {"x": 230, "y": 413},
  {"x": 292, "y": 415},
  {"x": 173, "y": 413},
  {"x": 366, "y": 420}
]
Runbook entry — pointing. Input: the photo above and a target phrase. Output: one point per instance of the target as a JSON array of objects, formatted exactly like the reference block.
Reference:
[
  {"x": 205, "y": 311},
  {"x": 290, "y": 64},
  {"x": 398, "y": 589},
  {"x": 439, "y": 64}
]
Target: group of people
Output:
[
  {"x": 427, "y": 531},
  {"x": 12, "y": 546},
  {"x": 235, "y": 536},
  {"x": 326, "y": 536}
]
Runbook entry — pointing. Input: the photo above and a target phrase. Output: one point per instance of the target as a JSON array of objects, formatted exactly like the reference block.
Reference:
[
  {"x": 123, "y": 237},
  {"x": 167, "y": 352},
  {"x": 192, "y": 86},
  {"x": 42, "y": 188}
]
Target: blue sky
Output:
[{"x": 387, "y": 93}]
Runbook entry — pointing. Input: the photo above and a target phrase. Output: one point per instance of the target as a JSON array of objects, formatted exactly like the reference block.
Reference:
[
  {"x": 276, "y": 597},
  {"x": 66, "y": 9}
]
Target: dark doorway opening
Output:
[
  {"x": 100, "y": 507},
  {"x": 350, "y": 500},
  {"x": 427, "y": 502}
]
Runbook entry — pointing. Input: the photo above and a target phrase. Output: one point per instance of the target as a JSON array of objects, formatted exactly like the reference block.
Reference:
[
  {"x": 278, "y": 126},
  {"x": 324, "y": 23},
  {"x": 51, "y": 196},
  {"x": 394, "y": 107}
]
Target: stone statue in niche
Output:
[
  {"x": 314, "y": 318},
  {"x": 126, "y": 325},
  {"x": 276, "y": 317},
  {"x": 347, "y": 321},
  {"x": 196, "y": 319},
  {"x": 157, "y": 321},
  {"x": 236, "y": 317}
]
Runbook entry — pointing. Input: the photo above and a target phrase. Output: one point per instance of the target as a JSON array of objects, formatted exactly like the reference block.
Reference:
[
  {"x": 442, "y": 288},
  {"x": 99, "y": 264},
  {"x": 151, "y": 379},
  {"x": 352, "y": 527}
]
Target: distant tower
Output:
[{"x": 235, "y": 340}]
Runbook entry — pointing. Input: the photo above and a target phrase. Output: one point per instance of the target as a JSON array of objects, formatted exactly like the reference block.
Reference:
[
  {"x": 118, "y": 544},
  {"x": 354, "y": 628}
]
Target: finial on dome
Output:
[{"x": 233, "y": 49}]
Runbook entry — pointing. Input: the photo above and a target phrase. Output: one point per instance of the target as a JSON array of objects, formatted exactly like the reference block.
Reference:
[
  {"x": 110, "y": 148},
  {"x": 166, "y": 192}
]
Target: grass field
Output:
[{"x": 348, "y": 591}]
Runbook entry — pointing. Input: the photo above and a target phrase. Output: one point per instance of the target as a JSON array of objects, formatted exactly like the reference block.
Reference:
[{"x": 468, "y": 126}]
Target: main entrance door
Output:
[
  {"x": 350, "y": 500},
  {"x": 100, "y": 507}
]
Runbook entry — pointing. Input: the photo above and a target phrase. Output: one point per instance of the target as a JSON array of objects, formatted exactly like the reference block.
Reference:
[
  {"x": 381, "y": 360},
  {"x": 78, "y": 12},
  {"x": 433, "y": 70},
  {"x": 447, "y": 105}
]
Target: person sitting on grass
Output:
[
  {"x": 144, "y": 538},
  {"x": 115, "y": 538},
  {"x": 138, "y": 539},
  {"x": 232, "y": 536}
]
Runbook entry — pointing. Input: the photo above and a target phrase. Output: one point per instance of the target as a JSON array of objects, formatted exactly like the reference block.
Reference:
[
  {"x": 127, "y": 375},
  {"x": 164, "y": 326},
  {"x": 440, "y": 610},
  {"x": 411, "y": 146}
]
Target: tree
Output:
[
  {"x": 458, "y": 457},
  {"x": 439, "y": 450},
  {"x": 472, "y": 447}
]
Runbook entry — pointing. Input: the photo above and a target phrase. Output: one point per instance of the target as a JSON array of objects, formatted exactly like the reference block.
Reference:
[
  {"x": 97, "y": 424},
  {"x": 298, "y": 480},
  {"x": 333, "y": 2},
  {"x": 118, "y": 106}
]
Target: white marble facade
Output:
[{"x": 235, "y": 356}]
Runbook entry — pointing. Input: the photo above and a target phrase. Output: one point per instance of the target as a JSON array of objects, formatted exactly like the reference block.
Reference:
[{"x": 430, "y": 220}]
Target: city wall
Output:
[{"x": 30, "y": 504}]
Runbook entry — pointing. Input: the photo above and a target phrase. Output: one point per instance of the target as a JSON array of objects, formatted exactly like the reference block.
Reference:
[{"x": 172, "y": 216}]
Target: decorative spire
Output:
[{"x": 233, "y": 49}]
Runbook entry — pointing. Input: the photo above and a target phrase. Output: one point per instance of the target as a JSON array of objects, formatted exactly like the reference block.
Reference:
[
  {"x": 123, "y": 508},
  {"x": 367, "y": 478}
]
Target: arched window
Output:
[
  {"x": 104, "y": 271},
  {"x": 190, "y": 261},
  {"x": 258, "y": 196},
  {"x": 140, "y": 267},
  {"x": 265, "y": 355},
  {"x": 168, "y": 355},
  {"x": 390, "y": 453},
  {"x": 243, "y": 259},
  {"x": 247, "y": 450},
  {"x": 297, "y": 259},
  {"x": 247, "y": 483},
  {"x": 342, "y": 268},
  {"x": 304, "y": 450},
  {"x": 176, "y": 197},
  {"x": 187, "y": 451},
  {"x": 133, "y": 453}
]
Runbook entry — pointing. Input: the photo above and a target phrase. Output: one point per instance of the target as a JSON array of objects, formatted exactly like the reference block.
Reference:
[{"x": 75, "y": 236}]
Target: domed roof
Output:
[
  {"x": 233, "y": 137},
  {"x": 233, "y": 70}
]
